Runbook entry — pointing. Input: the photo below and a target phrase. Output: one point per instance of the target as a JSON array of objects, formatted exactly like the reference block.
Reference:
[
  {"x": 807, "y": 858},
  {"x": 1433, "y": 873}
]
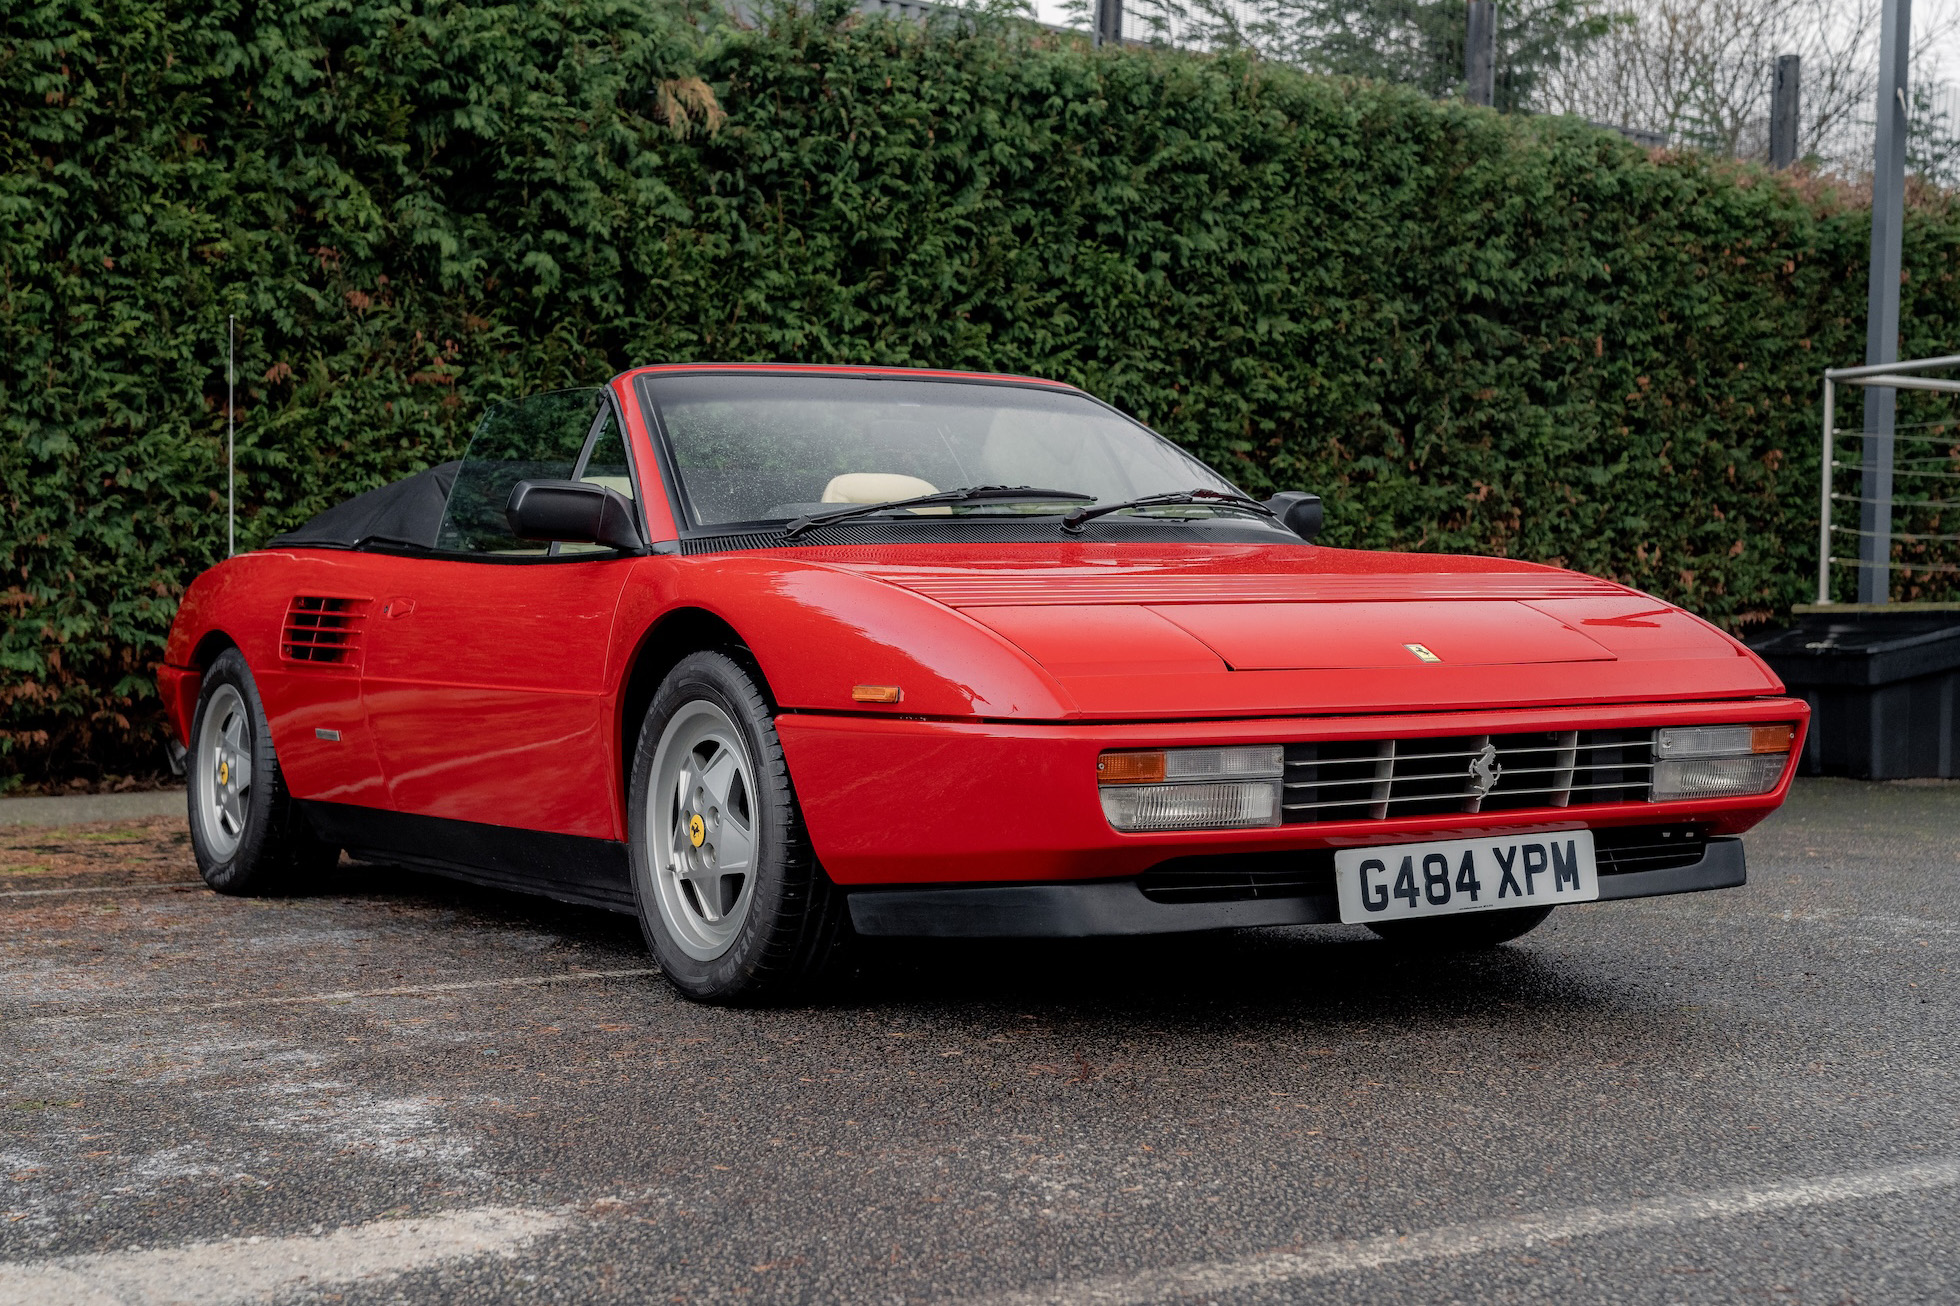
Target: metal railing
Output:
[{"x": 1878, "y": 468}]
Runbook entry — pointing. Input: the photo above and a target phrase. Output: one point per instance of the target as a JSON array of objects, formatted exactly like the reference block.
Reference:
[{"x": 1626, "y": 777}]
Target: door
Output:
[{"x": 485, "y": 679}]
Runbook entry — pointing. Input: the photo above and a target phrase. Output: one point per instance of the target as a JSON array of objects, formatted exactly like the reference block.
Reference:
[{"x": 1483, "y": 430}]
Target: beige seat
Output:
[
  {"x": 875, "y": 487},
  {"x": 881, "y": 487}
]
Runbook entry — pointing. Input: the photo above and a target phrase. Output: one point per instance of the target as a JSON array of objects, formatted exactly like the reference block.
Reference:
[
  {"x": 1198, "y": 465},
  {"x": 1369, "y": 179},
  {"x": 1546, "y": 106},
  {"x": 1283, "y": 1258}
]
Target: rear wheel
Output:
[
  {"x": 246, "y": 833},
  {"x": 732, "y": 901},
  {"x": 1469, "y": 933}
]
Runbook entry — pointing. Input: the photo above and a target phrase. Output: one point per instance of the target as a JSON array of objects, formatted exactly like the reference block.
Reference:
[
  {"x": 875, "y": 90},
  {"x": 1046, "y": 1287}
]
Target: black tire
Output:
[
  {"x": 258, "y": 842},
  {"x": 769, "y": 933},
  {"x": 1471, "y": 933}
]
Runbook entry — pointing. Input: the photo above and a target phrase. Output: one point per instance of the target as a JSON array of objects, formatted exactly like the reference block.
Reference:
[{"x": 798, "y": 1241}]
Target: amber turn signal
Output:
[
  {"x": 1772, "y": 739},
  {"x": 876, "y": 693},
  {"x": 1130, "y": 768}
]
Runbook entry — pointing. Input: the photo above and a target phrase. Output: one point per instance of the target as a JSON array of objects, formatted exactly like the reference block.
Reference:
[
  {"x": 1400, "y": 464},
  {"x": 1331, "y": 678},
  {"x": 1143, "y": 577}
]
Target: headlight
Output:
[
  {"x": 1192, "y": 788},
  {"x": 1719, "y": 761}
]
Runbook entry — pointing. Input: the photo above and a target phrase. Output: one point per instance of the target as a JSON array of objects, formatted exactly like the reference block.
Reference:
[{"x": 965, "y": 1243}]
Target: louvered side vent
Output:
[
  {"x": 1374, "y": 779},
  {"x": 324, "y": 630}
]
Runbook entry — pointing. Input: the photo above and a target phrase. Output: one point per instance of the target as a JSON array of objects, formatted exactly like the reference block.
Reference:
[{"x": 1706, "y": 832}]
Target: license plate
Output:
[{"x": 1398, "y": 881}]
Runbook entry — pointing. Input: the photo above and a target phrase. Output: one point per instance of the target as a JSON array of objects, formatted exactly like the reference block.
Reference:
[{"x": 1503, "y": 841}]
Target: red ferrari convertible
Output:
[{"x": 774, "y": 655}]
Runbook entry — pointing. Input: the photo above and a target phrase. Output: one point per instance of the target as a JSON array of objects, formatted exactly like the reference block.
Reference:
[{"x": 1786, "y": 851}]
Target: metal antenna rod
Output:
[{"x": 231, "y": 435}]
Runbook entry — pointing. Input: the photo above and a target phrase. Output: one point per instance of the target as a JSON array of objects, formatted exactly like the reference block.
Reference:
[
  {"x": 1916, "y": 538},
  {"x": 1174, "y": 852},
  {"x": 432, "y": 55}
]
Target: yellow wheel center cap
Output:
[
  {"x": 697, "y": 830},
  {"x": 224, "y": 773}
]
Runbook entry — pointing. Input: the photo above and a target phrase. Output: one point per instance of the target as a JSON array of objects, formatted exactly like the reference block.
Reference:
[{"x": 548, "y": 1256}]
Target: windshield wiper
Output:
[
  {"x": 1074, "y": 521},
  {"x": 971, "y": 494}
]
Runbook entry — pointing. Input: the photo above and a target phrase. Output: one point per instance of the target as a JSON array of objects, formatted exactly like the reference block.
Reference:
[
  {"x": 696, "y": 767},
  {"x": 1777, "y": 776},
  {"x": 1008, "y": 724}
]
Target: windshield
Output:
[{"x": 774, "y": 448}]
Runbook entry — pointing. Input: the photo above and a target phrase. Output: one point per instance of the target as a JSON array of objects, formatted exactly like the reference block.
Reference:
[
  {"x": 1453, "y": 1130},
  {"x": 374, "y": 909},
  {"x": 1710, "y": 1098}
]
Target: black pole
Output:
[
  {"x": 1882, "y": 311},
  {"x": 1480, "y": 53},
  {"x": 1108, "y": 28},
  {"x": 1785, "y": 110}
]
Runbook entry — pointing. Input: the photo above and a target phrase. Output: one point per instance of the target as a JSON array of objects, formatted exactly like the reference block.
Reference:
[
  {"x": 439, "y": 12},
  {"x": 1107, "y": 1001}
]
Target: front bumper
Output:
[
  {"x": 904, "y": 801},
  {"x": 1120, "y": 907}
]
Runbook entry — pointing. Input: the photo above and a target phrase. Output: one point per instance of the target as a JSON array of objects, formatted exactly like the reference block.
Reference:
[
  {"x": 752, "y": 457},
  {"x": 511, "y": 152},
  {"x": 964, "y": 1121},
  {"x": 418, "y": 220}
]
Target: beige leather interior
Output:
[
  {"x": 875, "y": 487},
  {"x": 881, "y": 487}
]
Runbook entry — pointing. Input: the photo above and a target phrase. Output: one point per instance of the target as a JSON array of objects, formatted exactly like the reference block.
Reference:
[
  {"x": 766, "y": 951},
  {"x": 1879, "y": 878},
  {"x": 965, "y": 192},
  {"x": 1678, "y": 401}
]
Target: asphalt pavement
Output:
[
  {"x": 81, "y": 809},
  {"x": 405, "y": 1089}
]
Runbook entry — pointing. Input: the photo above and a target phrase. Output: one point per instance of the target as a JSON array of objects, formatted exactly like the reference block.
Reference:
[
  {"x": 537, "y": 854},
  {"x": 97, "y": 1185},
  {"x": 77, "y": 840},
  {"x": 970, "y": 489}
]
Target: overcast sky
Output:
[{"x": 1942, "y": 61}]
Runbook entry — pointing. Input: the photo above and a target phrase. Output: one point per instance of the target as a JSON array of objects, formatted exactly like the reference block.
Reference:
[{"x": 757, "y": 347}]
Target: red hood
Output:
[{"x": 1242, "y": 630}]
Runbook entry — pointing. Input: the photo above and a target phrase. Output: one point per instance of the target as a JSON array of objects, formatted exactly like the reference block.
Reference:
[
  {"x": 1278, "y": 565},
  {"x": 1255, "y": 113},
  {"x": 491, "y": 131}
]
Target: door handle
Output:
[{"x": 398, "y": 607}]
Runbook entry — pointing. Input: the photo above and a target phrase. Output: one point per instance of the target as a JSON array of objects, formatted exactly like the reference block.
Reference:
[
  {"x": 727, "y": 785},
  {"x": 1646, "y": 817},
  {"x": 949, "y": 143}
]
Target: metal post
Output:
[
  {"x": 1108, "y": 28},
  {"x": 1480, "y": 53},
  {"x": 1824, "y": 508},
  {"x": 231, "y": 435},
  {"x": 1882, "y": 312},
  {"x": 1785, "y": 110}
]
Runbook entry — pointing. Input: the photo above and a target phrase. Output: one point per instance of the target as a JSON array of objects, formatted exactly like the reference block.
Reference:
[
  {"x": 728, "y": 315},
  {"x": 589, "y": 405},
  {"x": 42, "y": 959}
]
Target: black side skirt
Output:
[
  {"x": 590, "y": 872},
  {"x": 1109, "y": 907}
]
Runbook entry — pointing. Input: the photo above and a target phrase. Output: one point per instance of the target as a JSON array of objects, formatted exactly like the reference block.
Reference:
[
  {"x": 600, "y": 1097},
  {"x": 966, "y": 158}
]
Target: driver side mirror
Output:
[
  {"x": 573, "y": 512},
  {"x": 1298, "y": 511}
]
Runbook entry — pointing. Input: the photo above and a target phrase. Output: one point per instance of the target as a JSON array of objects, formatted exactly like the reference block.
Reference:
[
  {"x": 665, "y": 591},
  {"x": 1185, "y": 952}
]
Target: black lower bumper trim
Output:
[
  {"x": 1721, "y": 867},
  {"x": 1118, "y": 907}
]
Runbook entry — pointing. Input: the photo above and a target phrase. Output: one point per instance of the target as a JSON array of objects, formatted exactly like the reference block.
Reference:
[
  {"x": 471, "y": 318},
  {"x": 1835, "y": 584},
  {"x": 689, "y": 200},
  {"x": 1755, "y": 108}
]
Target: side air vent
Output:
[{"x": 324, "y": 630}]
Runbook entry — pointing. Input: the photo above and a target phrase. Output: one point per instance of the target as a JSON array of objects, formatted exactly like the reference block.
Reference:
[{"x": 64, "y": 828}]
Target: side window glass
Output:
[{"x": 538, "y": 438}]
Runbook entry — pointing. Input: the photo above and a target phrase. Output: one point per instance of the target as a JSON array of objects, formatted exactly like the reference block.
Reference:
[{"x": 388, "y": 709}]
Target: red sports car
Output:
[{"x": 773, "y": 655}]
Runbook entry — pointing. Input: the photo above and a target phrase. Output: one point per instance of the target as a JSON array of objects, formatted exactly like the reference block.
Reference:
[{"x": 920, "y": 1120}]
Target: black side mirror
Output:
[
  {"x": 1298, "y": 511},
  {"x": 573, "y": 512}
]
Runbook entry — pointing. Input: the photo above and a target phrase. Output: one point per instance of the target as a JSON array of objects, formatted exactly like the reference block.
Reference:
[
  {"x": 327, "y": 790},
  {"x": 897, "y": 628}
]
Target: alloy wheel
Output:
[
  {"x": 224, "y": 761},
  {"x": 701, "y": 825}
]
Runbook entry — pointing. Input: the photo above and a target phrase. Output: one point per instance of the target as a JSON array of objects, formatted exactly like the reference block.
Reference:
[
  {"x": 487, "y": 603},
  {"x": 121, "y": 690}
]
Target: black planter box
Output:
[{"x": 1881, "y": 683}]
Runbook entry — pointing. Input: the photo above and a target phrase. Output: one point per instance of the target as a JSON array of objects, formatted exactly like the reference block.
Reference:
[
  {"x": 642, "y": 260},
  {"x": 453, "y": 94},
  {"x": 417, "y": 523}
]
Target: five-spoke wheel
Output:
[
  {"x": 703, "y": 798},
  {"x": 733, "y": 903},
  {"x": 224, "y": 759}
]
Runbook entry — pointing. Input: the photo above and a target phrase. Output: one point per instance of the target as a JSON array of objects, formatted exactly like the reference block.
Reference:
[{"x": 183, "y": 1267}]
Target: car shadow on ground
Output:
[{"x": 1337, "y": 974}]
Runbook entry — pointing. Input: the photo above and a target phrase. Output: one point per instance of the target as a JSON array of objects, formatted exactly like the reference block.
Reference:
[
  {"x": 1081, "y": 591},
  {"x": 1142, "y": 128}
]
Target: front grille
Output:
[
  {"x": 1240, "y": 877},
  {"x": 1375, "y": 779}
]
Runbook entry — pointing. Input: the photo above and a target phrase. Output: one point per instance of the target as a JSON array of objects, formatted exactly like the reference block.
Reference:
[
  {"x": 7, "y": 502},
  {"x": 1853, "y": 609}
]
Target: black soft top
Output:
[{"x": 408, "y": 511}]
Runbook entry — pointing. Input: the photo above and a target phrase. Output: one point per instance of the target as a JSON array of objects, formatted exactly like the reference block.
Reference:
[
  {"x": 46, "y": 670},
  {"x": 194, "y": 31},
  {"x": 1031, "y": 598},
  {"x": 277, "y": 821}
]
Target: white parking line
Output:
[
  {"x": 248, "y": 1269},
  {"x": 350, "y": 995},
  {"x": 105, "y": 888},
  {"x": 1205, "y": 1278}
]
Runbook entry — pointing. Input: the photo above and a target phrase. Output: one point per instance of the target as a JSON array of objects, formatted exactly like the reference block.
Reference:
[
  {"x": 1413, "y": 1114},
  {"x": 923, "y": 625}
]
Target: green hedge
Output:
[{"x": 1470, "y": 332}]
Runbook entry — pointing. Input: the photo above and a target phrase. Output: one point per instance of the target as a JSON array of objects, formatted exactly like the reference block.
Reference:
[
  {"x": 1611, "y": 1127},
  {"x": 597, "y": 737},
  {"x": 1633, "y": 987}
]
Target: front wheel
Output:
[
  {"x": 732, "y": 901},
  {"x": 1469, "y": 933}
]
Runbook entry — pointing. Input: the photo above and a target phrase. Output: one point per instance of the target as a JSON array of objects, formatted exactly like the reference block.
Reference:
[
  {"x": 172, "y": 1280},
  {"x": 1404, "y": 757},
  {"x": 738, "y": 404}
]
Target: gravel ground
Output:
[{"x": 408, "y": 1089}]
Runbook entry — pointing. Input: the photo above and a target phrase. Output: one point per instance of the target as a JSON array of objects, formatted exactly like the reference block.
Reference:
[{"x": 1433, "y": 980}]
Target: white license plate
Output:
[{"x": 1397, "y": 881}]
